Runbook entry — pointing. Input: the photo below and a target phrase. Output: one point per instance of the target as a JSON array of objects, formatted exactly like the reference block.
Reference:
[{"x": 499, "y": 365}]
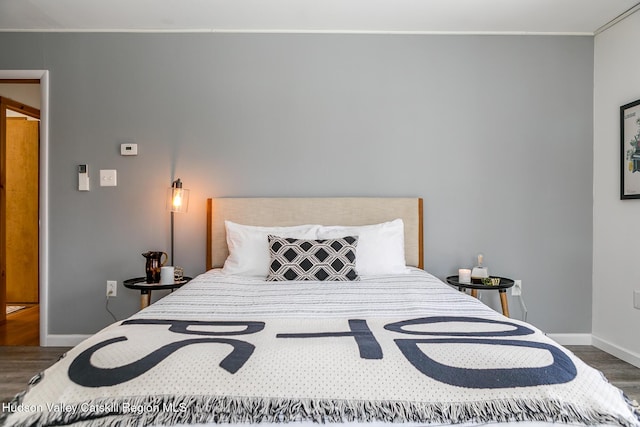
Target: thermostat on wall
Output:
[{"x": 129, "y": 149}]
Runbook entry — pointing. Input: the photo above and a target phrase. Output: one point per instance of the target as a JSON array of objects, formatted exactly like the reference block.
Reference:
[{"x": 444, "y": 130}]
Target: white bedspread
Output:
[
  {"x": 394, "y": 349},
  {"x": 415, "y": 294}
]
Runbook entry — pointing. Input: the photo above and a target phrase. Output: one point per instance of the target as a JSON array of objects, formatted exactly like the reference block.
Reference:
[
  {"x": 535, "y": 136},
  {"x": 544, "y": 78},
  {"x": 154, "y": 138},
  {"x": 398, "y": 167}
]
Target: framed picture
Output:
[{"x": 630, "y": 150}]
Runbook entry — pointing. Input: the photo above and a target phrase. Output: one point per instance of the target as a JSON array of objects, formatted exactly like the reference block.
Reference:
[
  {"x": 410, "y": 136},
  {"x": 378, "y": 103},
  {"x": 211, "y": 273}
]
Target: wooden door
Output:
[
  {"x": 22, "y": 147},
  {"x": 8, "y": 272}
]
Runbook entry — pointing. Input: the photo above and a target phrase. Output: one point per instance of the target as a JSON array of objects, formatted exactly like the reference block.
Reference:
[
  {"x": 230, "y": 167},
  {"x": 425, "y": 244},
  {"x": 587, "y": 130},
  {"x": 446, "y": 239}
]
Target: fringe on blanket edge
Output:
[
  {"x": 17, "y": 399},
  {"x": 171, "y": 410}
]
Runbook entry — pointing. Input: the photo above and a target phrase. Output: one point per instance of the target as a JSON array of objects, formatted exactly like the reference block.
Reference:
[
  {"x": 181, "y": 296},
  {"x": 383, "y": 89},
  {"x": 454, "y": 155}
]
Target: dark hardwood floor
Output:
[{"x": 18, "y": 364}]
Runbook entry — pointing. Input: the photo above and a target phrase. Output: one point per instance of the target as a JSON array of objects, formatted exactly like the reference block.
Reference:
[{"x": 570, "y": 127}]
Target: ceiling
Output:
[{"x": 340, "y": 16}]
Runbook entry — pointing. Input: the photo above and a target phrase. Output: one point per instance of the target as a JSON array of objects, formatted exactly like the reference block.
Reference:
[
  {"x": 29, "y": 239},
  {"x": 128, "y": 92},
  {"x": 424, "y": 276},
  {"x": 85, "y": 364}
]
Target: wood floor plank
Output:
[
  {"x": 19, "y": 364},
  {"x": 623, "y": 375},
  {"x": 22, "y": 327}
]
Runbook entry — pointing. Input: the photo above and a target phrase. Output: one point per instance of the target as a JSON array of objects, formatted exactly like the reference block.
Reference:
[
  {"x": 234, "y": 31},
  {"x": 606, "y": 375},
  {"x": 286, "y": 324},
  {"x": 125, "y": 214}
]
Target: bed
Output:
[{"x": 383, "y": 342}]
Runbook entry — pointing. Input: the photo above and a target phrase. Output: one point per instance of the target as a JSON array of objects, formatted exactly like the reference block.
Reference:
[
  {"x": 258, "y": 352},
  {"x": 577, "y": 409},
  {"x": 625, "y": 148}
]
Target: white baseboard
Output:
[
  {"x": 63, "y": 340},
  {"x": 617, "y": 351},
  {"x": 572, "y": 339}
]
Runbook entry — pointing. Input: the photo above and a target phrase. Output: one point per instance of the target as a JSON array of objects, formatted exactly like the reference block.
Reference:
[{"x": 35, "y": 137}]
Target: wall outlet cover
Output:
[
  {"x": 516, "y": 289},
  {"x": 112, "y": 288}
]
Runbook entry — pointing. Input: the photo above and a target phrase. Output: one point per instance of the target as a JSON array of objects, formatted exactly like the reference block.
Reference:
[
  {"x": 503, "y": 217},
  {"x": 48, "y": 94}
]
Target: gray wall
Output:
[{"x": 494, "y": 132}]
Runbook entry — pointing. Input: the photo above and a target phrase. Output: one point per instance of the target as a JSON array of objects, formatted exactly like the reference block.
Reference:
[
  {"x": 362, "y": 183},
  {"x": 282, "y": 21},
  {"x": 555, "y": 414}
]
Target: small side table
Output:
[
  {"x": 140, "y": 283},
  {"x": 505, "y": 284}
]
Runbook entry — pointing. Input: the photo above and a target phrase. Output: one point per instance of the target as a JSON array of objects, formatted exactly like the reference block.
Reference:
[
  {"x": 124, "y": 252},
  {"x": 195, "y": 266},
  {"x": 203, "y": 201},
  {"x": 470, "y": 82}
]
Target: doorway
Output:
[{"x": 19, "y": 222}]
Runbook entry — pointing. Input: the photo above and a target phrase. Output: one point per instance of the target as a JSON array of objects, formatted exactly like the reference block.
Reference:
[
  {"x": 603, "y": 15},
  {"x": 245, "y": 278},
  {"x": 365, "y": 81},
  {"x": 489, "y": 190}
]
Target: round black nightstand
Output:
[
  {"x": 140, "y": 283},
  {"x": 505, "y": 283}
]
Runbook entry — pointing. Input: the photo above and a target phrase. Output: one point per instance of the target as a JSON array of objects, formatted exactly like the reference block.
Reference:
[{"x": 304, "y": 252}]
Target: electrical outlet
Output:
[
  {"x": 517, "y": 288},
  {"x": 636, "y": 299},
  {"x": 112, "y": 288}
]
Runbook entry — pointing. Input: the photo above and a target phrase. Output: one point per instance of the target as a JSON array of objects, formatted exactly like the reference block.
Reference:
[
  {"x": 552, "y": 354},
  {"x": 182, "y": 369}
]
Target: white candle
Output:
[
  {"x": 166, "y": 275},
  {"x": 464, "y": 275}
]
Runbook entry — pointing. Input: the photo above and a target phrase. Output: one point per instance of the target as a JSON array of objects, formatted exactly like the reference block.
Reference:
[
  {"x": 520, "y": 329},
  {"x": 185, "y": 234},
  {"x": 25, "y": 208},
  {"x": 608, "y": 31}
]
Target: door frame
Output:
[{"x": 43, "y": 214}]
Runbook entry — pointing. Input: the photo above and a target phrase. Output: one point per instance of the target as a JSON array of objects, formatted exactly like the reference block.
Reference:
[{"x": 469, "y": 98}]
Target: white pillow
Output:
[
  {"x": 249, "y": 246},
  {"x": 380, "y": 248}
]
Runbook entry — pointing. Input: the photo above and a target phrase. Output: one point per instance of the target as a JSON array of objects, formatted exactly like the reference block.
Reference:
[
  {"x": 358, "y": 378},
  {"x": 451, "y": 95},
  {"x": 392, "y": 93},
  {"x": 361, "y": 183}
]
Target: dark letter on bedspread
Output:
[
  {"x": 359, "y": 330},
  {"x": 561, "y": 370},
  {"x": 84, "y": 373}
]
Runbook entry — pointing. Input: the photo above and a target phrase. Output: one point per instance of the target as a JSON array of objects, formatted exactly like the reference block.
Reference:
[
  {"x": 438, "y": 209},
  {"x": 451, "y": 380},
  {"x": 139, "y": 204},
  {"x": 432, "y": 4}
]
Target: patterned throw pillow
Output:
[{"x": 297, "y": 259}]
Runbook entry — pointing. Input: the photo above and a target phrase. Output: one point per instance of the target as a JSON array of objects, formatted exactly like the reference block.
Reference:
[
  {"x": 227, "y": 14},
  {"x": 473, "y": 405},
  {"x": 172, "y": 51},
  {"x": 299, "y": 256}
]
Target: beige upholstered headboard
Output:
[{"x": 325, "y": 211}]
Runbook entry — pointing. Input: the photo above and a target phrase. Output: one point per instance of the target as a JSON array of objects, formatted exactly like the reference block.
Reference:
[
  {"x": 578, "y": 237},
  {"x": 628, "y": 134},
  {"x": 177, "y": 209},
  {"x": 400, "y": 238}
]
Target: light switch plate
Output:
[
  {"x": 636, "y": 299},
  {"x": 108, "y": 178}
]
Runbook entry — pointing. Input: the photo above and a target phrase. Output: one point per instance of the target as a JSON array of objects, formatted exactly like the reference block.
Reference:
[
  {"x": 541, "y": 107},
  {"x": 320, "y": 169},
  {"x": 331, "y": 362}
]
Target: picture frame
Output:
[{"x": 630, "y": 150}]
